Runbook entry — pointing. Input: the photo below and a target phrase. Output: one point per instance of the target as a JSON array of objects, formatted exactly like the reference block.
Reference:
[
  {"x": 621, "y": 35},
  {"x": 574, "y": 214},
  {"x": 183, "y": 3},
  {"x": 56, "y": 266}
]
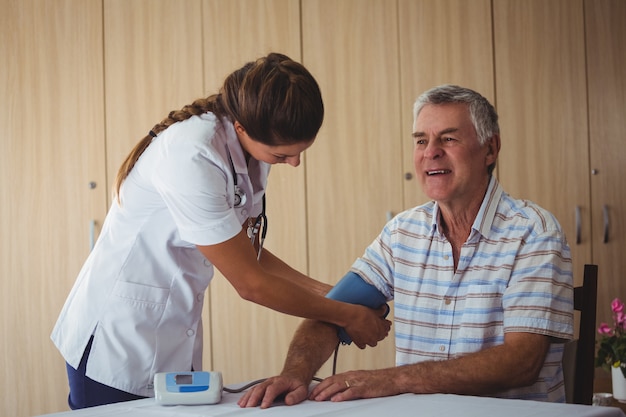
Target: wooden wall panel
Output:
[
  {"x": 250, "y": 341},
  {"x": 606, "y": 60},
  {"x": 441, "y": 42},
  {"x": 541, "y": 99},
  {"x": 153, "y": 59},
  {"x": 354, "y": 173},
  {"x": 52, "y": 116}
]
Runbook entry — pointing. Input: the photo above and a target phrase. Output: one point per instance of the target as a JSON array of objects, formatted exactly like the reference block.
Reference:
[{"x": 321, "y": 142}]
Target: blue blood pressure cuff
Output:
[{"x": 354, "y": 290}]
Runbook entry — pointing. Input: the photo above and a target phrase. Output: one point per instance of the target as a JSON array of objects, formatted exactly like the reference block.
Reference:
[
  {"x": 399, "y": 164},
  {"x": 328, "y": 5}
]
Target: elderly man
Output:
[{"x": 481, "y": 282}]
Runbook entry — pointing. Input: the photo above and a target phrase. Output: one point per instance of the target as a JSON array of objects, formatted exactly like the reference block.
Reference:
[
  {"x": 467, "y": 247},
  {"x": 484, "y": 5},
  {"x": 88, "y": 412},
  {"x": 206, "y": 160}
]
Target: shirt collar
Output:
[{"x": 486, "y": 213}]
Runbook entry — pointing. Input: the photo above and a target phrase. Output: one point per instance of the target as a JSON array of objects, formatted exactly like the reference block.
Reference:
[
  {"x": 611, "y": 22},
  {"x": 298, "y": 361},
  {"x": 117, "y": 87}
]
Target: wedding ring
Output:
[{"x": 347, "y": 384}]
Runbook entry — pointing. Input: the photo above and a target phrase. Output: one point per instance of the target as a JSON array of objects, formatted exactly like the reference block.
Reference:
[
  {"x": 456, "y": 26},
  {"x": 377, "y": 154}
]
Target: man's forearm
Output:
[
  {"x": 310, "y": 348},
  {"x": 512, "y": 365}
]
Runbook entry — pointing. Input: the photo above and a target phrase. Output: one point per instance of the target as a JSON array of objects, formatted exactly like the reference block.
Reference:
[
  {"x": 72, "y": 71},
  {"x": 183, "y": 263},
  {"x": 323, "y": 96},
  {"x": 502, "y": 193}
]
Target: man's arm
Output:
[
  {"x": 516, "y": 363},
  {"x": 312, "y": 345},
  {"x": 310, "y": 348}
]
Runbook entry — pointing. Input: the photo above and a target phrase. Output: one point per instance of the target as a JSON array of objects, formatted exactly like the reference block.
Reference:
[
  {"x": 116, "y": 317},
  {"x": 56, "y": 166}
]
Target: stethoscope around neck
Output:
[{"x": 260, "y": 223}]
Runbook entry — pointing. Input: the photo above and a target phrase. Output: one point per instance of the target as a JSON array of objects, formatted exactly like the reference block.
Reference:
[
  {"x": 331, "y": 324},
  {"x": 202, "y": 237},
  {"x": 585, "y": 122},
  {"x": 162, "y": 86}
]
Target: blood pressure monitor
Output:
[
  {"x": 188, "y": 388},
  {"x": 353, "y": 289}
]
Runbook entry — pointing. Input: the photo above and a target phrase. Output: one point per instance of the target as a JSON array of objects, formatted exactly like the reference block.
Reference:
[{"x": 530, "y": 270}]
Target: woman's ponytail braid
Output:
[{"x": 198, "y": 107}]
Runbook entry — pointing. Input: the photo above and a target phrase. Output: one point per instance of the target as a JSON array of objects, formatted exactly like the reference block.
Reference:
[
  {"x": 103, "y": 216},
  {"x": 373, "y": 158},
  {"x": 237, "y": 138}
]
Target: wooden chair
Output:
[{"x": 578, "y": 358}]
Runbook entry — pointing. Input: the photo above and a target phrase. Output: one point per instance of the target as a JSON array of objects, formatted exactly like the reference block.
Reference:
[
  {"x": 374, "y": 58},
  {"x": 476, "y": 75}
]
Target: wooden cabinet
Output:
[
  {"x": 153, "y": 64},
  {"x": 52, "y": 185},
  {"x": 249, "y": 341},
  {"x": 541, "y": 99},
  {"x": 606, "y": 85},
  {"x": 354, "y": 175},
  {"x": 441, "y": 42},
  {"x": 559, "y": 95},
  {"x": 605, "y": 36}
]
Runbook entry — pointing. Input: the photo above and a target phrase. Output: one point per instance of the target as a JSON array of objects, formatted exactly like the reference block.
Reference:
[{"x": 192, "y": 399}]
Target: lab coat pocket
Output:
[
  {"x": 141, "y": 295},
  {"x": 124, "y": 341}
]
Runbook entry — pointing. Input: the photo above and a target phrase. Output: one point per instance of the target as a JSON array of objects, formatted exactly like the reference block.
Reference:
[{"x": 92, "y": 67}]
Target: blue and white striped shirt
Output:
[{"x": 514, "y": 275}]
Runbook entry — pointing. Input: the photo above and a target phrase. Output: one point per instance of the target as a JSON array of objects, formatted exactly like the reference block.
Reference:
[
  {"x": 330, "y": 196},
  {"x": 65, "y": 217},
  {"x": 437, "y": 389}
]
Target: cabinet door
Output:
[
  {"x": 541, "y": 99},
  {"x": 441, "y": 42},
  {"x": 153, "y": 59},
  {"x": 354, "y": 170},
  {"x": 250, "y": 341},
  {"x": 51, "y": 113},
  {"x": 606, "y": 60}
]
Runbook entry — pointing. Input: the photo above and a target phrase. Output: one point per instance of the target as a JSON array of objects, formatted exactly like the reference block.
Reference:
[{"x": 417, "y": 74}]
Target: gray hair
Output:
[{"x": 482, "y": 113}]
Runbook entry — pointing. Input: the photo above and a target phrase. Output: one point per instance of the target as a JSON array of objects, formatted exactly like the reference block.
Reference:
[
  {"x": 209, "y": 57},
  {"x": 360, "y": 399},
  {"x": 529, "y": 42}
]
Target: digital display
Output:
[{"x": 183, "y": 379}]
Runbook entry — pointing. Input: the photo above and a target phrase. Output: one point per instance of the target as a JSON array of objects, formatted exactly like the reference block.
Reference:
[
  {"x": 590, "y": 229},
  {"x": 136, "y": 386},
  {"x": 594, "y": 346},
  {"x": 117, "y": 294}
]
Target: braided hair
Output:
[{"x": 274, "y": 98}]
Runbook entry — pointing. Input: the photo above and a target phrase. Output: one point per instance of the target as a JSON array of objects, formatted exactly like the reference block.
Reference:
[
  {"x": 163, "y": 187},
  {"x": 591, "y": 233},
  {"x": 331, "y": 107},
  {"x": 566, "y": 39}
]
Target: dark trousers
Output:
[{"x": 85, "y": 392}]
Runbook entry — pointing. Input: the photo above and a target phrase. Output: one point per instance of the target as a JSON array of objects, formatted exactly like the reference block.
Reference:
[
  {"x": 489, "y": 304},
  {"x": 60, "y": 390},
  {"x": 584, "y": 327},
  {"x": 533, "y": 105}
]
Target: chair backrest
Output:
[{"x": 578, "y": 359}]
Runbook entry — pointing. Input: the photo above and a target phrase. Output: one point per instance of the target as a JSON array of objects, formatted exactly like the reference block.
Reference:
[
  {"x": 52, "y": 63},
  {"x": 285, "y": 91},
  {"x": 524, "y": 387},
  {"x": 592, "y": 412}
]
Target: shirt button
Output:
[
  {"x": 448, "y": 301},
  {"x": 442, "y": 348},
  {"x": 446, "y": 257},
  {"x": 207, "y": 263},
  {"x": 200, "y": 296},
  {"x": 244, "y": 212},
  {"x": 190, "y": 332}
]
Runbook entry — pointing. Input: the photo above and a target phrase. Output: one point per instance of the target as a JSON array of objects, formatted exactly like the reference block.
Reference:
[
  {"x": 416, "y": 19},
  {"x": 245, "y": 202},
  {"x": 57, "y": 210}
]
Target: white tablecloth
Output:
[{"x": 433, "y": 405}]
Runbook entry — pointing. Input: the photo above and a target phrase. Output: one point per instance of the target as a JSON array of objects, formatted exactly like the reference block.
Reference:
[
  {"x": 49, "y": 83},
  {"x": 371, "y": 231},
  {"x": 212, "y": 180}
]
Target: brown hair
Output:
[{"x": 274, "y": 98}]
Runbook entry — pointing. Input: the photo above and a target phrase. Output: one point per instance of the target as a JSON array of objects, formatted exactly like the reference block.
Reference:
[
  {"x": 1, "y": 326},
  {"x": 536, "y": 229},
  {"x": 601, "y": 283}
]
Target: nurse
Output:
[{"x": 190, "y": 196}]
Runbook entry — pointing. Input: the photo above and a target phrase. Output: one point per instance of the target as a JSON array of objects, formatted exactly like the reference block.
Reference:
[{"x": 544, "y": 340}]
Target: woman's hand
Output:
[{"x": 369, "y": 326}]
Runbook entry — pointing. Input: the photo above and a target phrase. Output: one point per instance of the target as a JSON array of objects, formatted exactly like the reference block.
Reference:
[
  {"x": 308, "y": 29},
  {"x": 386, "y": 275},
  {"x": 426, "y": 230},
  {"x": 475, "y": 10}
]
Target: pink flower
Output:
[
  {"x": 612, "y": 344},
  {"x": 605, "y": 329}
]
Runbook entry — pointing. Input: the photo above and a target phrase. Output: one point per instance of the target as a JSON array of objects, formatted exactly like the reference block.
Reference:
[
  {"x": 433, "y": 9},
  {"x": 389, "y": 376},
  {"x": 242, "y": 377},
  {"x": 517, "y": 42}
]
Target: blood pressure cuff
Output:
[{"x": 354, "y": 290}]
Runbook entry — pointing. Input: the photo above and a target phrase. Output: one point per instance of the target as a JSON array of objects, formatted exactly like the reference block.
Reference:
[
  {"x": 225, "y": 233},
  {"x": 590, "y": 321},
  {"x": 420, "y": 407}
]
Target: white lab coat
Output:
[{"x": 141, "y": 290}]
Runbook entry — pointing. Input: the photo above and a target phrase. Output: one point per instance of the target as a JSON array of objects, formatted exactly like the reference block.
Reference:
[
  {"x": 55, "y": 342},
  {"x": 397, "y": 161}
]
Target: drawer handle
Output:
[
  {"x": 578, "y": 225},
  {"x": 605, "y": 213},
  {"x": 92, "y": 233}
]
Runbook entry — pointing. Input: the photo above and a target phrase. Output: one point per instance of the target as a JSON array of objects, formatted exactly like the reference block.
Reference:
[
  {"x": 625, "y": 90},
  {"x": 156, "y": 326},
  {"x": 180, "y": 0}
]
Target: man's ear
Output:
[{"x": 493, "y": 148}]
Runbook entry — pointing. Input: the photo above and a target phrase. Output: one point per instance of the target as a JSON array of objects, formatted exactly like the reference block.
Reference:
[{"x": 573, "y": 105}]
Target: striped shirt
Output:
[{"x": 514, "y": 274}]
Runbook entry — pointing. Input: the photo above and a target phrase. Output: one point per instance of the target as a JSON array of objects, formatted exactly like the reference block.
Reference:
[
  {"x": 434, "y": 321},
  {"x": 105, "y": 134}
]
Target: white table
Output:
[{"x": 432, "y": 405}]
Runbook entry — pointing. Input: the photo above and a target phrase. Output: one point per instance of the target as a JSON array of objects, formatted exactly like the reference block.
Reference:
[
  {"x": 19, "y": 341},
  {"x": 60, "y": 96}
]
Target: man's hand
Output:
[
  {"x": 265, "y": 393},
  {"x": 353, "y": 385},
  {"x": 370, "y": 328}
]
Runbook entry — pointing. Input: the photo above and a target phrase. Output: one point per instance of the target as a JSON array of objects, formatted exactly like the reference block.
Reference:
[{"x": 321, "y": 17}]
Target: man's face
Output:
[{"x": 449, "y": 161}]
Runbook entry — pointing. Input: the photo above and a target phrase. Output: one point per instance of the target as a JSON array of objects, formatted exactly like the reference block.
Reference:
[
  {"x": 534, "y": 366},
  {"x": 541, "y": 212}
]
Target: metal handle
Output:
[
  {"x": 578, "y": 225},
  {"x": 605, "y": 213},
  {"x": 92, "y": 233}
]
